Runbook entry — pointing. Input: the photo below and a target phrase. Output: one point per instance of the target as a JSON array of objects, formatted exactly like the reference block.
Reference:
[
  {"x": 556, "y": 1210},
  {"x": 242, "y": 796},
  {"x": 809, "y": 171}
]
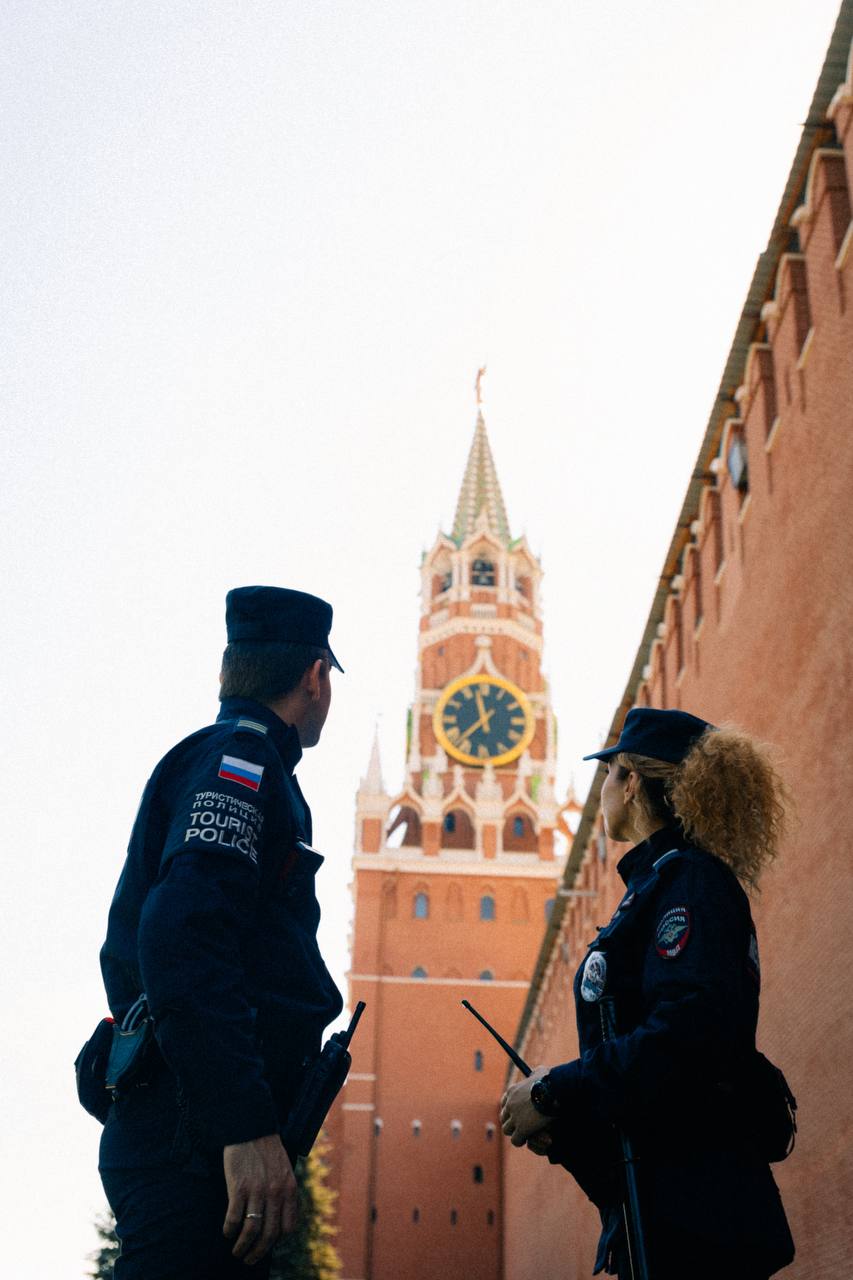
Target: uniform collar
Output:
[
  {"x": 284, "y": 736},
  {"x": 638, "y": 861}
]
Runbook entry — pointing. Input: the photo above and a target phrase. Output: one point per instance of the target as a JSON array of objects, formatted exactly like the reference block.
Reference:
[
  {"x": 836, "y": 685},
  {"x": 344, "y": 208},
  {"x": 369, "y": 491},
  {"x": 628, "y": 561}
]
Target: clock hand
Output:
[{"x": 484, "y": 721}]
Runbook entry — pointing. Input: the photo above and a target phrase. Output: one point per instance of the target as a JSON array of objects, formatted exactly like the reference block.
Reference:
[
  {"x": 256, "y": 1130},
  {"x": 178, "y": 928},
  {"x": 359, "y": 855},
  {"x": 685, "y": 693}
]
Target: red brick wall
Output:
[{"x": 771, "y": 652}]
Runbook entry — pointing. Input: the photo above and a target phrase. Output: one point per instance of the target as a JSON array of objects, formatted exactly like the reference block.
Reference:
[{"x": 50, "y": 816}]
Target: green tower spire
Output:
[{"x": 480, "y": 492}]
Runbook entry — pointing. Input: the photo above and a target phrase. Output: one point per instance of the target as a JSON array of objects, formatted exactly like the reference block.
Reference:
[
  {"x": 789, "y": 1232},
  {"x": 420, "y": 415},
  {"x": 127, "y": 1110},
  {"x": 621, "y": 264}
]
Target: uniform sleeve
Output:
[
  {"x": 693, "y": 993},
  {"x": 192, "y": 937}
]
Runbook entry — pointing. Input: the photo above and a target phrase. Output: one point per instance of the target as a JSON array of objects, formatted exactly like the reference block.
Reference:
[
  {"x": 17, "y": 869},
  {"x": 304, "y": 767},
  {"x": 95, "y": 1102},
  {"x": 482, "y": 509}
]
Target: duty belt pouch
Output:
[
  {"x": 129, "y": 1051},
  {"x": 770, "y": 1109},
  {"x": 90, "y": 1068}
]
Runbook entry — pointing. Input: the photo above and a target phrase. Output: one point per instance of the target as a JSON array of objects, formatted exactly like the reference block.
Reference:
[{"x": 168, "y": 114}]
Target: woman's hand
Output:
[
  {"x": 519, "y": 1118},
  {"x": 540, "y": 1144}
]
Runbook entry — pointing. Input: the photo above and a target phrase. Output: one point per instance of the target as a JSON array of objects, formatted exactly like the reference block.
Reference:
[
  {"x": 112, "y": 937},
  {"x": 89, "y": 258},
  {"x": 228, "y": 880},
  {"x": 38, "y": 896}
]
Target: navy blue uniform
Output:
[
  {"x": 680, "y": 960},
  {"x": 215, "y": 919}
]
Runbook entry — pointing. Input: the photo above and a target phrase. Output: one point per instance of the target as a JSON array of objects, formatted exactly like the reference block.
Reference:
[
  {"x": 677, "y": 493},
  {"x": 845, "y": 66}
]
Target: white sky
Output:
[{"x": 253, "y": 254}]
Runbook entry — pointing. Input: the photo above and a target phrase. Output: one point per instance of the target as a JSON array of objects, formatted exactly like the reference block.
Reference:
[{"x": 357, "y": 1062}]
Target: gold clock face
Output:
[{"x": 483, "y": 720}]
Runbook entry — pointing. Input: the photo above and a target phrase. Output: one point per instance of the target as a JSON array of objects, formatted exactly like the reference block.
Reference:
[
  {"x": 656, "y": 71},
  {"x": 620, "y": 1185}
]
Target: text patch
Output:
[{"x": 223, "y": 822}]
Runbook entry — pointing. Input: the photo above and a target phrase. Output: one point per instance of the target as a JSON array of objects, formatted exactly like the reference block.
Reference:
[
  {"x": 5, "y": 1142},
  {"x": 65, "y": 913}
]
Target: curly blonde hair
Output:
[{"x": 727, "y": 795}]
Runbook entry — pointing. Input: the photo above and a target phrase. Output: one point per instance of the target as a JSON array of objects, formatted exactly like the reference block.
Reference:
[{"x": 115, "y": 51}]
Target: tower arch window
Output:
[
  {"x": 483, "y": 573},
  {"x": 478, "y": 1060},
  {"x": 419, "y": 972},
  {"x": 455, "y": 1128},
  {"x": 420, "y": 906},
  {"x": 478, "y": 1173},
  {"x": 487, "y": 976},
  {"x": 377, "y": 1126},
  {"x": 520, "y": 834},
  {"x": 416, "y": 1128},
  {"x": 389, "y": 900},
  {"x": 519, "y": 909},
  {"x": 454, "y": 903},
  {"x": 405, "y": 829},
  {"x": 490, "y": 1132},
  {"x": 442, "y": 576},
  {"x": 416, "y": 1215},
  {"x": 457, "y": 830},
  {"x": 454, "y": 1217},
  {"x": 487, "y": 907}
]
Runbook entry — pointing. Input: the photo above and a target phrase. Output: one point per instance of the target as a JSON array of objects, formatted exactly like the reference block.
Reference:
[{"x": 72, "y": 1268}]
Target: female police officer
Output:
[{"x": 678, "y": 966}]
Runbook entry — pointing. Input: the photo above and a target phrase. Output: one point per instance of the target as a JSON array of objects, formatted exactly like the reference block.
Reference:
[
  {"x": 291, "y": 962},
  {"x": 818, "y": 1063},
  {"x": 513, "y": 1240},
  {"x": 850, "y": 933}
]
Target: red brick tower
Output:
[{"x": 454, "y": 878}]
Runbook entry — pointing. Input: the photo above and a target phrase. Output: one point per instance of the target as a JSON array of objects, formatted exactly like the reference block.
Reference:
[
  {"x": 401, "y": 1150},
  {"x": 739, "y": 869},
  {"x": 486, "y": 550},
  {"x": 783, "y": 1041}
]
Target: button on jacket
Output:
[
  {"x": 679, "y": 958},
  {"x": 215, "y": 918}
]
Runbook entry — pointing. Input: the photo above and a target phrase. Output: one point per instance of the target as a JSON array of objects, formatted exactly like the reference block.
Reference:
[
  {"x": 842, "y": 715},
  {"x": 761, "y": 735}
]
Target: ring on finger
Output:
[{"x": 258, "y": 1216}]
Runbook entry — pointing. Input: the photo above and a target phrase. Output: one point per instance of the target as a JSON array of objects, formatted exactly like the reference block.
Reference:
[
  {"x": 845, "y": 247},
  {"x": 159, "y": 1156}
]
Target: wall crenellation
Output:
[{"x": 808, "y": 294}]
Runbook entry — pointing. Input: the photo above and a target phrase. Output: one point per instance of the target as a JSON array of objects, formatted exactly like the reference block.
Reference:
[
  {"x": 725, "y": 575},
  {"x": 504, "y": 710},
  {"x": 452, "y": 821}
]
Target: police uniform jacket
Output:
[
  {"x": 679, "y": 958},
  {"x": 215, "y": 918}
]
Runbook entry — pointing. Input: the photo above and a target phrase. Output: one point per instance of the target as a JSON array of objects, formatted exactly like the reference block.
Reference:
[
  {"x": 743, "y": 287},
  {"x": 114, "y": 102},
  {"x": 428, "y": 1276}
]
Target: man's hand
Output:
[
  {"x": 259, "y": 1179},
  {"x": 519, "y": 1118}
]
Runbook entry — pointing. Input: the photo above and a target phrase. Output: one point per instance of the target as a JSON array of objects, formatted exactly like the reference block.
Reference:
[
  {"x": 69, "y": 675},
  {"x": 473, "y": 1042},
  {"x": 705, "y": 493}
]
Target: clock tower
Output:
[{"x": 454, "y": 878}]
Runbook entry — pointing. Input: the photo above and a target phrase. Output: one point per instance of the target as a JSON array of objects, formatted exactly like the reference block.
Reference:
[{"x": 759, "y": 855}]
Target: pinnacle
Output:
[
  {"x": 480, "y": 494},
  {"x": 372, "y": 781}
]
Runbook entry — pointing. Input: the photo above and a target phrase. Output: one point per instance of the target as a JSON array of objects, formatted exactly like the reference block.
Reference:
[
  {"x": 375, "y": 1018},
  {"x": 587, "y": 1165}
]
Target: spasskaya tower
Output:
[{"x": 454, "y": 877}]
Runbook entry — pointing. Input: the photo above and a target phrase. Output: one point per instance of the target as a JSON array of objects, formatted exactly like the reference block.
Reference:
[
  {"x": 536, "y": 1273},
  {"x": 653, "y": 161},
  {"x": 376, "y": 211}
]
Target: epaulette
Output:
[
  {"x": 251, "y": 726},
  {"x": 661, "y": 862}
]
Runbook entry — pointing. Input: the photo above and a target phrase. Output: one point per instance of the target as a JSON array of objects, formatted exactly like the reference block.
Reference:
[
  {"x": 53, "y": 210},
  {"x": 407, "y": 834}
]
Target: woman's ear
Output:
[{"x": 632, "y": 786}]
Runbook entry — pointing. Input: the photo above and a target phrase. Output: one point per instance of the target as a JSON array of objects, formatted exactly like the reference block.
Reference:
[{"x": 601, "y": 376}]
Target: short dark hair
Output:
[{"x": 265, "y": 670}]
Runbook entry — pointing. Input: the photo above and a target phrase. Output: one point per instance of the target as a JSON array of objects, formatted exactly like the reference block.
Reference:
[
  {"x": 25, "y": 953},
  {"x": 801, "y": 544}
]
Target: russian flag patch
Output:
[{"x": 242, "y": 771}]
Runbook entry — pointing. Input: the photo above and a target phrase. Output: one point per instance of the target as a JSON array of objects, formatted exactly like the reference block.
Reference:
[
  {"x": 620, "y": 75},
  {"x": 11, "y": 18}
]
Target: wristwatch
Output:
[{"x": 542, "y": 1097}]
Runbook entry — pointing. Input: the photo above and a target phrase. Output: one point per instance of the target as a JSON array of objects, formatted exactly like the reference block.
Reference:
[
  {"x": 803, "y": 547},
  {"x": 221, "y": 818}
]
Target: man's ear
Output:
[{"x": 312, "y": 679}]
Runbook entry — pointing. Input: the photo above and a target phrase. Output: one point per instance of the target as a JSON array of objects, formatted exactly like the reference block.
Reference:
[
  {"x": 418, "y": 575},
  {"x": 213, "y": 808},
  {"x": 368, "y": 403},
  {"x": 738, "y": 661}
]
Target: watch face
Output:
[
  {"x": 542, "y": 1098},
  {"x": 483, "y": 720}
]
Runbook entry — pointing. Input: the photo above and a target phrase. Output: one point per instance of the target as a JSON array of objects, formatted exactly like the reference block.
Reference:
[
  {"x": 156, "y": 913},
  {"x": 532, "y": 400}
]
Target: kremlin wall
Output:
[
  {"x": 461, "y": 888},
  {"x": 752, "y": 624}
]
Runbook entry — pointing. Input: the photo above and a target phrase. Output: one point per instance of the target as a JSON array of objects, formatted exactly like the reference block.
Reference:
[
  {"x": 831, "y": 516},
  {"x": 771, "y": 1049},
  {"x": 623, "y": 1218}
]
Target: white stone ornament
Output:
[{"x": 594, "y": 978}]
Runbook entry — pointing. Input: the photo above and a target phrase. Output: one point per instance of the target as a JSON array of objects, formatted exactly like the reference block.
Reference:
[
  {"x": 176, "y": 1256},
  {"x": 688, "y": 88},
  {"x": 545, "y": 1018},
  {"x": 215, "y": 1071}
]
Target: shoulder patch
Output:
[
  {"x": 673, "y": 932},
  {"x": 251, "y": 726},
  {"x": 752, "y": 960},
  {"x": 594, "y": 979},
  {"x": 233, "y": 769}
]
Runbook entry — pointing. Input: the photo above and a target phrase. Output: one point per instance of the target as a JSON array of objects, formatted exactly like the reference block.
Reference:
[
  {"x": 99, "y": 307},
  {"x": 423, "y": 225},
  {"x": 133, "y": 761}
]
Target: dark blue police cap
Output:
[
  {"x": 277, "y": 613},
  {"x": 661, "y": 735}
]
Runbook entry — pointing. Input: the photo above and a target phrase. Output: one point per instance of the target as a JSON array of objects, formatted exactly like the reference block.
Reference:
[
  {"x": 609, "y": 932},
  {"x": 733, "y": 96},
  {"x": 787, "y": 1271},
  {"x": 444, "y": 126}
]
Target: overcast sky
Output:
[{"x": 253, "y": 255}]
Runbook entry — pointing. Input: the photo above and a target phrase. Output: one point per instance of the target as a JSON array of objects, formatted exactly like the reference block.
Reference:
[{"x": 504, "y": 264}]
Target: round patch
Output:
[
  {"x": 594, "y": 977},
  {"x": 752, "y": 958},
  {"x": 672, "y": 932}
]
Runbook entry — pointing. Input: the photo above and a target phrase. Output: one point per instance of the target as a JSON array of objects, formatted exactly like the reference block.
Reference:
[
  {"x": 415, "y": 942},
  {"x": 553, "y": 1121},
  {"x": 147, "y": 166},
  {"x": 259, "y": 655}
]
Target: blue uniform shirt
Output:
[
  {"x": 215, "y": 918},
  {"x": 680, "y": 960}
]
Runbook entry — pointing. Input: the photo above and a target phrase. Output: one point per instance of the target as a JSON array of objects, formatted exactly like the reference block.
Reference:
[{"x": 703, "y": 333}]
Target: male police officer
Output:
[{"x": 215, "y": 920}]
